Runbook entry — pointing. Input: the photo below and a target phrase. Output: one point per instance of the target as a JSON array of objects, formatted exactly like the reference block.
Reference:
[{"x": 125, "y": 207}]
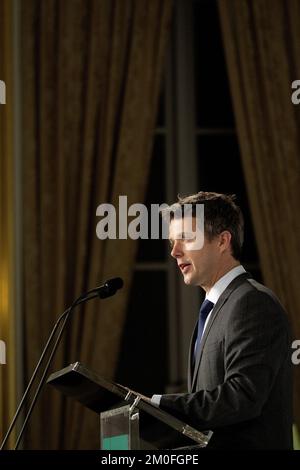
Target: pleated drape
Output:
[
  {"x": 8, "y": 371},
  {"x": 262, "y": 46},
  {"x": 91, "y": 78}
]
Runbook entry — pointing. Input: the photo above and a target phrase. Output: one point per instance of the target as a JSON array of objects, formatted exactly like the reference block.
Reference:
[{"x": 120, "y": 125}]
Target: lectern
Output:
[{"x": 127, "y": 421}]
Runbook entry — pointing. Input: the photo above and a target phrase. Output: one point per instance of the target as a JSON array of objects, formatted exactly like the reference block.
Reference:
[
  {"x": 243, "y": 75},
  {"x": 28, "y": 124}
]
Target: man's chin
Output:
[{"x": 188, "y": 280}]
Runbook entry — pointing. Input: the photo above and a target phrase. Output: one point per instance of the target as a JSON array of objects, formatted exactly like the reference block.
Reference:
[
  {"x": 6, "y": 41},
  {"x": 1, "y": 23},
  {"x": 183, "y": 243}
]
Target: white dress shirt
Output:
[{"x": 218, "y": 288}]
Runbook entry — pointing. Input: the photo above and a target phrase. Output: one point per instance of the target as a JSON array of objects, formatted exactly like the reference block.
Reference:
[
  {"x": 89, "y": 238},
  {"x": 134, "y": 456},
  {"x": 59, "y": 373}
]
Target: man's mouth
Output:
[{"x": 184, "y": 267}]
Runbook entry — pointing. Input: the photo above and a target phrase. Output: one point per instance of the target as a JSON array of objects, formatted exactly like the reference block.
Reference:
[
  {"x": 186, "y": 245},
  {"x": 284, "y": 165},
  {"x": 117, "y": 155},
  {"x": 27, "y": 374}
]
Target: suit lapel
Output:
[
  {"x": 213, "y": 316},
  {"x": 191, "y": 356},
  {"x": 223, "y": 298}
]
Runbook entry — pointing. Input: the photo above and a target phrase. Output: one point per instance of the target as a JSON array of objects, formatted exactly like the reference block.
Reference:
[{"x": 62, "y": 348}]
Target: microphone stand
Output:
[{"x": 64, "y": 316}]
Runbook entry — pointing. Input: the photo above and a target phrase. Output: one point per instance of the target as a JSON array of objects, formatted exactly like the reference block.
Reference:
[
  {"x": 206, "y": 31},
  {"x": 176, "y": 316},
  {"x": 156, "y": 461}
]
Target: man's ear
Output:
[{"x": 225, "y": 240}]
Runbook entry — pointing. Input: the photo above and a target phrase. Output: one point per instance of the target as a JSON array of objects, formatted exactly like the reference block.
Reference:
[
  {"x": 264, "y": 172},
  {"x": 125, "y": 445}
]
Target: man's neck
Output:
[{"x": 220, "y": 273}]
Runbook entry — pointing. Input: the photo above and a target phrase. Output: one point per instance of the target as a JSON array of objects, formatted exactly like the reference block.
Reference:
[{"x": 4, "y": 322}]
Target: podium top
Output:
[
  {"x": 93, "y": 391},
  {"x": 99, "y": 394}
]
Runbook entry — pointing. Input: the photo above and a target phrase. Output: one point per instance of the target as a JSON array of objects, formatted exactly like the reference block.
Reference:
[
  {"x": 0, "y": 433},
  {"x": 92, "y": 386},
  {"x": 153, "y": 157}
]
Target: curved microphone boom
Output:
[{"x": 108, "y": 289}]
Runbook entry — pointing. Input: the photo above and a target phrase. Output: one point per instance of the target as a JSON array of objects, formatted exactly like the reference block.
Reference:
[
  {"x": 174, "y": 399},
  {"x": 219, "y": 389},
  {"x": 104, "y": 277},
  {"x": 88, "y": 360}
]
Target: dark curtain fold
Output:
[
  {"x": 8, "y": 371},
  {"x": 91, "y": 77},
  {"x": 261, "y": 40}
]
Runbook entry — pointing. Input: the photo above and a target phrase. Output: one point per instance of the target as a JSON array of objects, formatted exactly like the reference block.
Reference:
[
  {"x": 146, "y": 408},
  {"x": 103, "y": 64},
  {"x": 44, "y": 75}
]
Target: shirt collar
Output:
[{"x": 219, "y": 287}]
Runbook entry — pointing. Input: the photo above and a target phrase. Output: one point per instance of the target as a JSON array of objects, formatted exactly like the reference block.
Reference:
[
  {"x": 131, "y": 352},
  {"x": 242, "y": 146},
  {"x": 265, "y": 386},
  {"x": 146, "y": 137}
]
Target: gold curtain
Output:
[
  {"x": 7, "y": 249},
  {"x": 91, "y": 78},
  {"x": 262, "y": 47}
]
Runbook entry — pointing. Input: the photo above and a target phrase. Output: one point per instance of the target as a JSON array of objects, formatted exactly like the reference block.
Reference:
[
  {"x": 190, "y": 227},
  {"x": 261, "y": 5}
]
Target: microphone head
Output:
[
  {"x": 115, "y": 283},
  {"x": 110, "y": 287}
]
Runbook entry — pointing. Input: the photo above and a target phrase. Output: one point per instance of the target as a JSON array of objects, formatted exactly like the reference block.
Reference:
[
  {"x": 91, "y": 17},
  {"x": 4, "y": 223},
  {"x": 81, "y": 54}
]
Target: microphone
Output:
[{"x": 108, "y": 289}]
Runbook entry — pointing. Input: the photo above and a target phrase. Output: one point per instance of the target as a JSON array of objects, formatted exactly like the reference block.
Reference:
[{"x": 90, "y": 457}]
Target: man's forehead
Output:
[{"x": 181, "y": 225}]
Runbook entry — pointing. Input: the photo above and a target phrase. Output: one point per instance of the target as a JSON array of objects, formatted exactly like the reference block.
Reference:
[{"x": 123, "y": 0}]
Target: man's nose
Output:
[{"x": 176, "y": 251}]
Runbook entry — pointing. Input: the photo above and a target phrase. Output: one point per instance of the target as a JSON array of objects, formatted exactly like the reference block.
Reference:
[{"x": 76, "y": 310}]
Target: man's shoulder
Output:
[
  {"x": 251, "y": 287},
  {"x": 246, "y": 283},
  {"x": 251, "y": 292}
]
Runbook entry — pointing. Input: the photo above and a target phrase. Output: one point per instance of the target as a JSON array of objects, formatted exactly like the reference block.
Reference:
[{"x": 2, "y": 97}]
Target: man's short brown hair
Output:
[{"x": 220, "y": 213}]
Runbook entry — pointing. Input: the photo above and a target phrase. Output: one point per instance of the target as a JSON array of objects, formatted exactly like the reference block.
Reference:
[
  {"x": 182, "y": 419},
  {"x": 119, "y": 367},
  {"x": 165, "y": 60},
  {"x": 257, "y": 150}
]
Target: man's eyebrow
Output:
[
  {"x": 177, "y": 236},
  {"x": 182, "y": 236}
]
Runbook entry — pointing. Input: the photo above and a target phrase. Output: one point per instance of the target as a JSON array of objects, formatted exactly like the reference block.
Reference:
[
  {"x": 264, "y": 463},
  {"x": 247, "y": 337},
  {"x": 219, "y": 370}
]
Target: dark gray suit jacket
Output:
[{"x": 241, "y": 385}]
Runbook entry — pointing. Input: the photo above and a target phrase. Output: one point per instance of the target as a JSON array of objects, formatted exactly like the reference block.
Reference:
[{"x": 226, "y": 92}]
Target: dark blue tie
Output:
[{"x": 206, "y": 307}]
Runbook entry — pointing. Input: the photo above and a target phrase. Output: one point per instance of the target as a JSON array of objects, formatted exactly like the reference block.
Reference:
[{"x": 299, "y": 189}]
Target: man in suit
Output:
[{"x": 239, "y": 369}]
